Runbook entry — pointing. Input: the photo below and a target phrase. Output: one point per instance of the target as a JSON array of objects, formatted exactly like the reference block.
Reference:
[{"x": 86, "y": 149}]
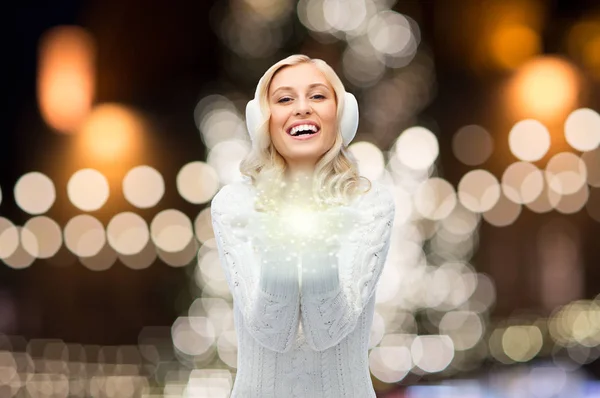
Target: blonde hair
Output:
[{"x": 336, "y": 179}]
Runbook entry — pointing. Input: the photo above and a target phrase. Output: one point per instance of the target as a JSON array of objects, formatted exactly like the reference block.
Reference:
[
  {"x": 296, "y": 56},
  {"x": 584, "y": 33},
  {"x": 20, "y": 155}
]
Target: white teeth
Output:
[{"x": 303, "y": 127}]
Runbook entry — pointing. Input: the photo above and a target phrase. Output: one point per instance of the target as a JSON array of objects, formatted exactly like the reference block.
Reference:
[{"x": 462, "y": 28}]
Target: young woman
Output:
[{"x": 302, "y": 240}]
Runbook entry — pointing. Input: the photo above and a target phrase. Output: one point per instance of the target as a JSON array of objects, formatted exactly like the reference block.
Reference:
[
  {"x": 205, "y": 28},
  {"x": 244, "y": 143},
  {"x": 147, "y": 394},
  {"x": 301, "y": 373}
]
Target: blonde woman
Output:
[{"x": 302, "y": 240}]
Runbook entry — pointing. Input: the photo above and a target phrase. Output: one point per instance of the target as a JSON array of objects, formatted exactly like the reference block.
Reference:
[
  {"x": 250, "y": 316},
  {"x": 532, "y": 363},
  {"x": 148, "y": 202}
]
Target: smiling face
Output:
[{"x": 303, "y": 123}]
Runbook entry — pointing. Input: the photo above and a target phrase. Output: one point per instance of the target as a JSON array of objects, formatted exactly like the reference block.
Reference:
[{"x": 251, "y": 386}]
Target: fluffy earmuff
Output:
[{"x": 348, "y": 121}]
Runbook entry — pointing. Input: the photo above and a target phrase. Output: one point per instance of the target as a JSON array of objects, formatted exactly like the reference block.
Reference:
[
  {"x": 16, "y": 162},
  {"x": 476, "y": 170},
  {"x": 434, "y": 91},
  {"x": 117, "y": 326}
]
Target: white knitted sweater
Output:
[{"x": 308, "y": 338}]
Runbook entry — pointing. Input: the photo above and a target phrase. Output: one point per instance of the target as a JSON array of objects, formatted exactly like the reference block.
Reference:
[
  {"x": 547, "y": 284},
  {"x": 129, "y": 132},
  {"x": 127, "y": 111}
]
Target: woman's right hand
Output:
[
  {"x": 277, "y": 258},
  {"x": 270, "y": 237}
]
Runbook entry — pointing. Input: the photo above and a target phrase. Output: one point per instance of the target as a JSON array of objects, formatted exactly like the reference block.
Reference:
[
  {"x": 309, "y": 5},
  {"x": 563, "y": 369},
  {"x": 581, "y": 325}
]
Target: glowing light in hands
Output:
[
  {"x": 297, "y": 227},
  {"x": 302, "y": 222}
]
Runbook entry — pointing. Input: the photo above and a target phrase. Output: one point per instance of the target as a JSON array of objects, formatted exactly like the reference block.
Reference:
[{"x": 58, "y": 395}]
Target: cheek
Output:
[
  {"x": 330, "y": 116},
  {"x": 277, "y": 119}
]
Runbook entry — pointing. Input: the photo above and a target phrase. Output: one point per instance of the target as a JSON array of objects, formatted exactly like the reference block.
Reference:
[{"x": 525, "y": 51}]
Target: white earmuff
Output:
[{"x": 348, "y": 121}]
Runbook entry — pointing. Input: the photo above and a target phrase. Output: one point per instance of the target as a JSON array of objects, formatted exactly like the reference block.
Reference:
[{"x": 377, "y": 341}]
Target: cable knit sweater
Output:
[{"x": 303, "y": 337}]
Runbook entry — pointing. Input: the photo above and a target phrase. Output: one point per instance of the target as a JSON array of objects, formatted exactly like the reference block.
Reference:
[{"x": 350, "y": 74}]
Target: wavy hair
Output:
[{"x": 336, "y": 180}]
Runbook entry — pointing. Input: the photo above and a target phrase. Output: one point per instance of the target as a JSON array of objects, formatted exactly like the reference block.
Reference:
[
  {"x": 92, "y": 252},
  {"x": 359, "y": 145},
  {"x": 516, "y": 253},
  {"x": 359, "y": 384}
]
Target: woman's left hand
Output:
[{"x": 319, "y": 255}]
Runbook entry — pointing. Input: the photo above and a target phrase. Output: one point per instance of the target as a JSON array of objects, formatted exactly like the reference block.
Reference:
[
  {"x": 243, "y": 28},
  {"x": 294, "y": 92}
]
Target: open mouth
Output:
[{"x": 303, "y": 129}]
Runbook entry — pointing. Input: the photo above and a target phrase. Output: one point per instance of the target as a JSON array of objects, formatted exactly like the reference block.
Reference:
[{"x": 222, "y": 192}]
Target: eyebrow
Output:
[{"x": 310, "y": 86}]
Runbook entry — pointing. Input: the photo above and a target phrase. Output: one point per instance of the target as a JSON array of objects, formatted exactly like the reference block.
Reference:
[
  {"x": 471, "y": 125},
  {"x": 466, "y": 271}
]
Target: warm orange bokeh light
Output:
[
  {"x": 110, "y": 132},
  {"x": 66, "y": 75},
  {"x": 511, "y": 45},
  {"x": 545, "y": 89},
  {"x": 591, "y": 56},
  {"x": 583, "y": 44}
]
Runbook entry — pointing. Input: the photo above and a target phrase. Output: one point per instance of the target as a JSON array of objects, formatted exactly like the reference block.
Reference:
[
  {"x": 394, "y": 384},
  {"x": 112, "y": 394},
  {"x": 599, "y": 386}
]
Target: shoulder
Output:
[
  {"x": 379, "y": 197},
  {"x": 234, "y": 195}
]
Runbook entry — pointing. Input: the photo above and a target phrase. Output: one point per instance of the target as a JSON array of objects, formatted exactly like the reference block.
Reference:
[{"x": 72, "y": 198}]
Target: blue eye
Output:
[
  {"x": 284, "y": 99},
  {"x": 318, "y": 96}
]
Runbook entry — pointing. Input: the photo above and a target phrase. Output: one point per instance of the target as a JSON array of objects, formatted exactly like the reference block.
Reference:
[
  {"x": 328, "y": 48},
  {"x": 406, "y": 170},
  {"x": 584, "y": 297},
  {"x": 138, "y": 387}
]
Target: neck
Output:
[
  {"x": 299, "y": 183},
  {"x": 299, "y": 174}
]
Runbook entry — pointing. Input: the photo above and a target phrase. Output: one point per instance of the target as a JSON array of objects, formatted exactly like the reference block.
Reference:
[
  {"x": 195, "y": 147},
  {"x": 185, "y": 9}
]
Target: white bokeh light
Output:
[
  {"x": 522, "y": 182},
  {"x": 197, "y": 182},
  {"x": 529, "y": 140},
  {"x": 88, "y": 189},
  {"x": 369, "y": 158},
  {"x": 582, "y": 129},
  {"x": 225, "y": 158},
  {"x": 127, "y": 233},
  {"x": 84, "y": 235},
  {"x": 35, "y": 193},
  {"x": 47, "y": 234},
  {"x": 143, "y": 187},
  {"x": 435, "y": 198},
  {"x": 9, "y": 238},
  {"x": 171, "y": 230},
  {"x": 478, "y": 190},
  {"x": 432, "y": 353},
  {"x": 417, "y": 148},
  {"x": 566, "y": 173}
]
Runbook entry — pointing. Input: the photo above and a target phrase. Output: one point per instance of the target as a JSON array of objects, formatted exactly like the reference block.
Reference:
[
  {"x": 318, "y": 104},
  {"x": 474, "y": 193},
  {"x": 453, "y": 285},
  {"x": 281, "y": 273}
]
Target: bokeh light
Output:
[
  {"x": 513, "y": 44},
  {"x": 565, "y": 173},
  {"x": 369, "y": 158},
  {"x": 394, "y": 37},
  {"x": 171, "y": 230},
  {"x": 432, "y": 353},
  {"x": 503, "y": 213},
  {"x": 522, "y": 182},
  {"x": 479, "y": 191},
  {"x": 582, "y": 129},
  {"x": 417, "y": 148},
  {"x": 127, "y": 233},
  {"x": 472, "y": 145},
  {"x": 102, "y": 260},
  {"x": 143, "y": 187},
  {"x": 84, "y": 235},
  {"x": 546, "y": 201},
  {"x": 112, "y": 131},
  {"x": 572, "y": 203},
  {"x": 392, "y": 360},
  {"x": 35, "y": 193},
  {"x": 48, "y": 237},
  {"x": 592, "y": 163},
  {"x": 529, "y": 140},
  {"x": 21, "y": 258},
  {"x": 141, "y": 260},
  {"x": 218, "y": 120},
  {"x": 203, "y": 229},
  {"x": 9, "y": 238},
  {"x": 545, "y": 88},
  {"x": 583, "y": 42},
  {"x": 522, "y": 343},
  {"x": 66, "y": 77},
  {"x": 465, "y": 328},
  {"x": 225, "y": 158},
  {"x": 193, "y": 335},
  {"x": 435, "y": 199},
  {"x": 197, "y": 182},
  {"x": 88, "y": 189},
  {"x": 592, "y": 205}
]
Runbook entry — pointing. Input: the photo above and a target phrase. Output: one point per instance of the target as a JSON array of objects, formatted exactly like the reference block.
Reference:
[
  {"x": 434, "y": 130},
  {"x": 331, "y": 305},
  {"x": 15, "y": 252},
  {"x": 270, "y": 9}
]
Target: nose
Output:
[{"x": 302, "y": 107}]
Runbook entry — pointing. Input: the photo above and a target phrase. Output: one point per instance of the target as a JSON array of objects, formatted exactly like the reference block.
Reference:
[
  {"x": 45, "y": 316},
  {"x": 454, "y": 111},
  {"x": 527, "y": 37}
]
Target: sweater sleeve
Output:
[
  {"x": 336, "y": 288},
  {"x": 264, "y": 286}
]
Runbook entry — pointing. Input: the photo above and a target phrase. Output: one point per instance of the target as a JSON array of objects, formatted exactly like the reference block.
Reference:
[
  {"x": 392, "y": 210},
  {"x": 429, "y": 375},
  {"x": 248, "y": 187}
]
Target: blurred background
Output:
[{"x": 121, "y": 120}]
